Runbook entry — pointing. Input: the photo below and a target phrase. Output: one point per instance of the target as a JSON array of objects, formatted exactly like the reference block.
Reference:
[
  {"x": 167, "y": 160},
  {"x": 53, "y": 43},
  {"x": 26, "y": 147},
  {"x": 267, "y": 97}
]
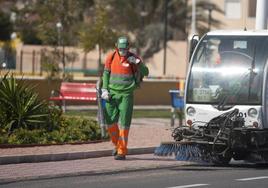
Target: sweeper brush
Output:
[
  {"x": 212, "y": 143},
  {"x": 201, "y": 152},
  {"x": 183, "y": 151}
]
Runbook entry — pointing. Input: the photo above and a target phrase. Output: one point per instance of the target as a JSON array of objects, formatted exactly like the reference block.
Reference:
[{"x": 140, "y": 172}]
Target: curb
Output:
[
  {"x": 4, "y": 146},
  {"x": 68, "y": 156}
]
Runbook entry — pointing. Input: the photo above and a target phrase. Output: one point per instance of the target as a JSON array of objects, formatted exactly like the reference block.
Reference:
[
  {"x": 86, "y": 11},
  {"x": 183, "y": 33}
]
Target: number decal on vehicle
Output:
[{"x": 241, "y": 114}]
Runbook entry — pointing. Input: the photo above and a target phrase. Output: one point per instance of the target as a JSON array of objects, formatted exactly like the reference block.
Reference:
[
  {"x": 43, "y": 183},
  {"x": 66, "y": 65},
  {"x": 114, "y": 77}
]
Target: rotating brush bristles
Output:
[
  {"x": 183, "y": 151},
  {"x": 166, "y": 149}
]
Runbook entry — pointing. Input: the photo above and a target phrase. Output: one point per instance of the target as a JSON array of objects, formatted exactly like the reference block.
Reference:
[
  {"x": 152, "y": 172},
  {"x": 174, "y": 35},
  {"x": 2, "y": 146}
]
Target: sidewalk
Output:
[
  {"x": 144, "y": 136},
  {"x": 92, "y": 166}
]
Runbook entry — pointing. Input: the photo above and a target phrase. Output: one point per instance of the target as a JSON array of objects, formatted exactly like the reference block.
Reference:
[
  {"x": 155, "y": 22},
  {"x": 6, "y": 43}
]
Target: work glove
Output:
[
  {"x": 134, "y": 60},
  {"x": 105, "y": 94}
]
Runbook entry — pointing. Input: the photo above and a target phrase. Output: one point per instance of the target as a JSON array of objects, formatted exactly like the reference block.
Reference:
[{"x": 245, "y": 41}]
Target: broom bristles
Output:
[
  {"x": 166, "y": 148},
  {"x": 183, "y": 151}
]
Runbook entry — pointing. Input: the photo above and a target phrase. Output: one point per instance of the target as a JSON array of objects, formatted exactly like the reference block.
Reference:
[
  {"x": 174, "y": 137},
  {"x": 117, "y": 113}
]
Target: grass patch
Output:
[
  {"x": 151, "y": 113},
  {"x": 163, "y": 113}
]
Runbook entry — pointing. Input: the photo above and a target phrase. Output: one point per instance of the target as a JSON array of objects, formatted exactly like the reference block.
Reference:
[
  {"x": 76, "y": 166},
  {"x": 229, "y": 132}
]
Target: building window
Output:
[
  {"x": 233, "y": 9},
  {"x": 252, "y": 5}
]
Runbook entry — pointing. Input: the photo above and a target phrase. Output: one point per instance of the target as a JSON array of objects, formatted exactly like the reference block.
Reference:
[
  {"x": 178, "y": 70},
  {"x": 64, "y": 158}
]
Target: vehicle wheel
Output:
[
  {"x": 239, "y": 155},
  {"x": 221, "y": 160}
]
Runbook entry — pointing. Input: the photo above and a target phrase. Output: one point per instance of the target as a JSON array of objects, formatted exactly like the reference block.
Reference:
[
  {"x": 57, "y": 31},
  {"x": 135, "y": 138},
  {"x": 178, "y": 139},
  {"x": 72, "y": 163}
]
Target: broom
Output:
[
  {"x": 101, "y": 105},
  {"x": 185, "y": 151}
]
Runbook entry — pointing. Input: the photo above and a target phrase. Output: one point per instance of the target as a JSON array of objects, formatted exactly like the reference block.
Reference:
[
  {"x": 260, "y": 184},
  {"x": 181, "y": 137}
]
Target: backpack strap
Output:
[{"x": 113, "y": 56}]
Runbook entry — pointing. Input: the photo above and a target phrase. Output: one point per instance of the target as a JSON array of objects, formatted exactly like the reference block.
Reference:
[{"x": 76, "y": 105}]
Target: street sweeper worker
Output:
[{"x": 122, "y": 74}]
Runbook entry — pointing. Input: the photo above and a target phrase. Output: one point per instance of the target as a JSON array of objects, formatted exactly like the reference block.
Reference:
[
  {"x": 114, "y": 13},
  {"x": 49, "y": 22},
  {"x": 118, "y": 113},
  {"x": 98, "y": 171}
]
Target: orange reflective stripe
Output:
[
  {"x": 124, "y": 132},
  {"x": 114, "y": 133},
  {"x": 122, "y": 141}
]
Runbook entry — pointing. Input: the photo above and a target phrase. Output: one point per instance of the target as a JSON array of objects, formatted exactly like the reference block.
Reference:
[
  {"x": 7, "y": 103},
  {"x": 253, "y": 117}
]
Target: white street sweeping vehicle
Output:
[{"x": 226, "y": 100}]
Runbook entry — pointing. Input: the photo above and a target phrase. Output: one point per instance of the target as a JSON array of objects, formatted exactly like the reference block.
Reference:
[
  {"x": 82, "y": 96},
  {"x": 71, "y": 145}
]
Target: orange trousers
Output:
[{"x": 119, "y": 138}]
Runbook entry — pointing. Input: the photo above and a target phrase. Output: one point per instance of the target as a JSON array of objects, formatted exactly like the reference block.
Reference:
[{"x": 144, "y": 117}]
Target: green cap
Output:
[{"x": 122, "y": 42}]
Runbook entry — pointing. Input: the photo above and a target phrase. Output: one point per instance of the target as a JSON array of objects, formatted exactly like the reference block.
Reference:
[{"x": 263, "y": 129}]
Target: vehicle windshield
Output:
[{"x": 228, "y": 69}]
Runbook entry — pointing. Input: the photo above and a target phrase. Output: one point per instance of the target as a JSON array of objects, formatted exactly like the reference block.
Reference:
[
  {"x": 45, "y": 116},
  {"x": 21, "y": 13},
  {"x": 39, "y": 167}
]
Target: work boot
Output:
[
  {"x": 120, "y": 157},
  {"x": 114, "y": 152}
]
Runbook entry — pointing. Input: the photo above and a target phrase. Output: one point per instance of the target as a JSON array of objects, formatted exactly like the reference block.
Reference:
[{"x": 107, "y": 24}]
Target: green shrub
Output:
[
  {"x": 55, "y": 118},
  {"x": 73, "y": 129},
  {"x": 80, "y": 128},
  {"x": 23, "y": 136},
  {"x": 19, "y": 105},
  {"x": 4, "y": 139},
  {"x": 27, "y": 120}
]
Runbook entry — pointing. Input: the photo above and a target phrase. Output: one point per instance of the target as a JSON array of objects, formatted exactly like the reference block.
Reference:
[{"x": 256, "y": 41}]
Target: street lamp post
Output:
[
  {"x": 60, "y": 43},
  {"x": 165, "y": 37},
  {"x": 261, "y": 15},
  {"x": 143, "y": 14},
  {"x": 209, "y": 7},
  {"x": 193, "y": 24},
  {"x": 59, "y": 27}
]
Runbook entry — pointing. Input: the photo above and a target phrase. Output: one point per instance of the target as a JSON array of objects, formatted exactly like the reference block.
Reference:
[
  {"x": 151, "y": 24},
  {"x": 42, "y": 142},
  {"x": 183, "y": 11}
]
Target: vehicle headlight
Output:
[
  {"x": 190, "y": 111},
  {"x": 252, "y": 112}
]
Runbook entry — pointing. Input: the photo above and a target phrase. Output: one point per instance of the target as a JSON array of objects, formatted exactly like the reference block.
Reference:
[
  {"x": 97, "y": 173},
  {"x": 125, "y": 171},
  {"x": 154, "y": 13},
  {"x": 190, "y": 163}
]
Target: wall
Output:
[
  {"x": 28, "y": 60},
  {"x": 150, "y": 93},
  {"x": 176, "y": 60}
]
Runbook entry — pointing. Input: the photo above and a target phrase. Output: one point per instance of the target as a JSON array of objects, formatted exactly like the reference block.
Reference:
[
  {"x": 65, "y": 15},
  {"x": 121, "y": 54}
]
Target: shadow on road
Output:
[
  {"x": 188, "y": 165},
  {"x": 129, "y": 158}
]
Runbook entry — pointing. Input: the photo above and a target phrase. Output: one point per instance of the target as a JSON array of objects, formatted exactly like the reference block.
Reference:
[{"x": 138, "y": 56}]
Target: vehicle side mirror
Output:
[{"x": 194, "y": 41}]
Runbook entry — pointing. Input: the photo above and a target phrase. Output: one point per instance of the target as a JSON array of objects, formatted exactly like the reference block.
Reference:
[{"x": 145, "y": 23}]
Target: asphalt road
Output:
[{"x": 236, "y": 175}]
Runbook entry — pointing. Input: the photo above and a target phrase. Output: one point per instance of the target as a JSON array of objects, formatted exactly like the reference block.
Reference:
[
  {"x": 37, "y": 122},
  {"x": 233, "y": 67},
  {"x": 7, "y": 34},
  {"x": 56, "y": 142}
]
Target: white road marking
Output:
[
  {"x": 192, "y": 185},
  {"x": 253, "y": 178}
]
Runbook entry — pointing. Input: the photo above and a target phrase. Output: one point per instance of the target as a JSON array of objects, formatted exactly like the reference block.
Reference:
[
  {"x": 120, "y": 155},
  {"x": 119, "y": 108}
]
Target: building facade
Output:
[{"x": 238, "y": 14}]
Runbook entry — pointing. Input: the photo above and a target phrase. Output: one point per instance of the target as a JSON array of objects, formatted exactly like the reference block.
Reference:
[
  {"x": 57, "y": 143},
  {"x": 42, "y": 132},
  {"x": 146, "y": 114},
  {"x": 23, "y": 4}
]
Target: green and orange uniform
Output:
[{"x": 120, "y": 79}]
